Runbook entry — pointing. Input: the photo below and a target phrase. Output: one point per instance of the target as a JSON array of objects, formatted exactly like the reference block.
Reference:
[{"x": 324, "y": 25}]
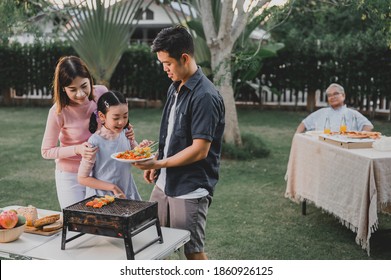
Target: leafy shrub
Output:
[{"x": 253, "y": 147}]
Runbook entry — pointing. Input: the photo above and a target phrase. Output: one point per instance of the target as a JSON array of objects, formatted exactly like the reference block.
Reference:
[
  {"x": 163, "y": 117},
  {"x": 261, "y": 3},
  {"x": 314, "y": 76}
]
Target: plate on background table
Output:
[
  {"x": 114, "y": 156},
  {"x": 314, "y": 132},
  {"x": 362, "y": 134},
  {"x": 357, "y": 136}
]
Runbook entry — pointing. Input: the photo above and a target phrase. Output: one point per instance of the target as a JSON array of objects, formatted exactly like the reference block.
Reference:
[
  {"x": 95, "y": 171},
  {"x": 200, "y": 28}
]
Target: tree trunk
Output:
[
  {"x": 374, "y": 106},
  {"x": 6, "y": 96},
  {"x": 221, "y": 67},
  {"x": 311, "y": 100},
  {"x": 220, "y": 38},
  {"x": 232, "y": 132},
  {"x": 389, "y": 110}
]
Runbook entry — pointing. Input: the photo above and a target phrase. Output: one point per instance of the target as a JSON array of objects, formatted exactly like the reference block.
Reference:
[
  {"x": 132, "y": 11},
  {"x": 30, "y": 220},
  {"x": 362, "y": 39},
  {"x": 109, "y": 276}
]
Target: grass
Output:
[
  {"x": 252, "y": 148},
  {"x": 249, "y": 218}
]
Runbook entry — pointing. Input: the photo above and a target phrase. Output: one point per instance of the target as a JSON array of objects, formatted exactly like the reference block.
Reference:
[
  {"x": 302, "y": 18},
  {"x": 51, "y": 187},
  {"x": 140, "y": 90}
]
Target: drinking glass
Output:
[{"x": 354, "y": 124}]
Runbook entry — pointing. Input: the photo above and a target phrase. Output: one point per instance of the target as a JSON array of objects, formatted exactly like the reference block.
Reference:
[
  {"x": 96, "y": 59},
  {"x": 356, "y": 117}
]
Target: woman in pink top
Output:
[{"x": 66, "y": 133}]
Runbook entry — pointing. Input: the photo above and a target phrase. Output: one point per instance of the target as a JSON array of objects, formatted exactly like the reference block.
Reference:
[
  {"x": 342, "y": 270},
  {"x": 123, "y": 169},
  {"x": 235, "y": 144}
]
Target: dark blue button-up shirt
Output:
[{"x": 199, "y": 114}]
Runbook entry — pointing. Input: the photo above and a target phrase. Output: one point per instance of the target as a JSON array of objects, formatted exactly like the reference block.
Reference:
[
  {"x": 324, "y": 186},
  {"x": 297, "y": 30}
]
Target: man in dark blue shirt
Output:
[{"x": 186, "y": 170}]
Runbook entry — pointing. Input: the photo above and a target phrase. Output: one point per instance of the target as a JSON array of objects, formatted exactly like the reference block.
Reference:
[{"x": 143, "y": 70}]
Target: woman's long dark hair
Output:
[
  {"x": 108, "y": 99},
  {"x": 67, "y": 69}
]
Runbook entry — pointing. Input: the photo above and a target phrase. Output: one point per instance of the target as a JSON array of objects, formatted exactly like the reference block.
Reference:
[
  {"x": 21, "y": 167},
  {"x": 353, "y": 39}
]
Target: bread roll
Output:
[
  {"x": 30, "y": 213},
  {"x": 54, "y": 226},
  {"x": 46, "y": 220}
]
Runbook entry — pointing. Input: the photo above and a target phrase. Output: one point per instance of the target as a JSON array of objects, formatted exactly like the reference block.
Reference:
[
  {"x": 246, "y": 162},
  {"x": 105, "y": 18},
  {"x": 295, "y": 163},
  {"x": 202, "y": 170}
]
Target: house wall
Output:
[{"x": 159, "y": 17}]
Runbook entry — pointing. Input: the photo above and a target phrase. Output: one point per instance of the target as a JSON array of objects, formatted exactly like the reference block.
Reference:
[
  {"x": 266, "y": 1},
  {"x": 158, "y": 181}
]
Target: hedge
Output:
[{"x": 29, "y": 69}]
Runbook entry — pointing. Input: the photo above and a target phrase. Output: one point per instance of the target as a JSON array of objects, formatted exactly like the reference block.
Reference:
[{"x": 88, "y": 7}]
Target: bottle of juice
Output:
[
  {"x": 343, "y": 127},
  {"x": 327, "y": 128}
]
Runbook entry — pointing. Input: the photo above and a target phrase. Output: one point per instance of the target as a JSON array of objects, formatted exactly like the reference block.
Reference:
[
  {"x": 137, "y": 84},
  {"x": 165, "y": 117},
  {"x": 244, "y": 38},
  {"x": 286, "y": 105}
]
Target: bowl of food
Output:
[{"x": 11, "y": 234}]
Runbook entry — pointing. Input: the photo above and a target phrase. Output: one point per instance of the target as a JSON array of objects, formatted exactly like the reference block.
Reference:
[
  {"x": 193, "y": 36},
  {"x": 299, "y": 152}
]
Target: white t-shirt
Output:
[{"x": 161, "y": 181}]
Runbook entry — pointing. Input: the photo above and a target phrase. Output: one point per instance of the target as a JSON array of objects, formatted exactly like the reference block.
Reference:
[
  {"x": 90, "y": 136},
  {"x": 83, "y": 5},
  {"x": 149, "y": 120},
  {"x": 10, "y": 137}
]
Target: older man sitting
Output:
[{"x": 336, "y": 113}]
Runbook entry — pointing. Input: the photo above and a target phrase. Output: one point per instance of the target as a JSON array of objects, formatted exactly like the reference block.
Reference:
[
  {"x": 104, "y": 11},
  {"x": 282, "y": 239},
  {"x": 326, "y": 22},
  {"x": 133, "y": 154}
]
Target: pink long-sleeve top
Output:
[{"x": 66, "y": 130}]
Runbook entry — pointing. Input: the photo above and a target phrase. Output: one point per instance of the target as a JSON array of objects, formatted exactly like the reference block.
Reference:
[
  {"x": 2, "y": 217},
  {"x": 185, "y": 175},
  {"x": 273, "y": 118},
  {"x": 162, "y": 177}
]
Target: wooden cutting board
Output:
[{"x": 39, "y": 231}]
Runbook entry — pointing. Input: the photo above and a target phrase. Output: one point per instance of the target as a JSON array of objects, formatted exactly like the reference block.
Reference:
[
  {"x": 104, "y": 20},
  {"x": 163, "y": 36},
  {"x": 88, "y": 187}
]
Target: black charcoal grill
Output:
[{"x": 122, "y": 218}]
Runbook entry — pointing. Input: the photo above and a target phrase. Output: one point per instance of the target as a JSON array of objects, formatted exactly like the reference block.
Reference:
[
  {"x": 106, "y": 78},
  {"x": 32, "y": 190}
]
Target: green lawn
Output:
[{"x": 249, "y": 218}]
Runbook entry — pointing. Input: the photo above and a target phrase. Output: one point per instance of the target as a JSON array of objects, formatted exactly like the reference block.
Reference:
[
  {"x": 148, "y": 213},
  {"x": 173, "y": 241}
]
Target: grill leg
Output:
[
  {"x": 128, "y": 244},
  {"x": 129, "y": 248},
  {"x": 64, "y": 235}
]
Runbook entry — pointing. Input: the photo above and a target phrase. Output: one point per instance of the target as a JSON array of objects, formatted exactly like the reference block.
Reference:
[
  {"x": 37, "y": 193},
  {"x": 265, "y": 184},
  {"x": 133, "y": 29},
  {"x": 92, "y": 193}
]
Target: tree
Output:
[
  {"x": 100, "y": 31},
  {"x": 218, "y": 25},
  {"x": 15, "y": 15},
  {"x": 345, "y": 41},
  {"x": 221, "y": 35},
  {"x": 377, "y": 13}
]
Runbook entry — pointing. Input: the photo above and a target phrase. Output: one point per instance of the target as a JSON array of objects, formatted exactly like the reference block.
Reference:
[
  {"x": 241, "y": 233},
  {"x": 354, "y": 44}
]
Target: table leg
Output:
[{"x": 181, "y": 253}]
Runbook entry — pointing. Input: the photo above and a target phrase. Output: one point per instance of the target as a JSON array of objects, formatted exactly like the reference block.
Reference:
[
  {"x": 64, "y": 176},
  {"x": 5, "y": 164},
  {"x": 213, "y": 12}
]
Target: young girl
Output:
[{"x": 102, "y": 174}]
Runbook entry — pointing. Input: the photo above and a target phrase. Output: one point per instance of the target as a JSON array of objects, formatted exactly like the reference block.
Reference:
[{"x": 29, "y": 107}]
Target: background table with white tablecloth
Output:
[{"x": 352, "y": 184}]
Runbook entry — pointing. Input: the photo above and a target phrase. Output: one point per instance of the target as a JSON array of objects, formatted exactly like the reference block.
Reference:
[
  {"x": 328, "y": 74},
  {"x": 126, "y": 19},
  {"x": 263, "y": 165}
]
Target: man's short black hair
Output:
[{"x": 175, "y": 41}]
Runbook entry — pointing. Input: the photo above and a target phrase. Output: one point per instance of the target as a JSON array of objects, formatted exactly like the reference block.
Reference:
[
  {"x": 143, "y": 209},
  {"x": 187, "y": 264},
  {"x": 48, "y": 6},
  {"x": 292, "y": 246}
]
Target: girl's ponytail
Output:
[{"x": 93, "y": 123}]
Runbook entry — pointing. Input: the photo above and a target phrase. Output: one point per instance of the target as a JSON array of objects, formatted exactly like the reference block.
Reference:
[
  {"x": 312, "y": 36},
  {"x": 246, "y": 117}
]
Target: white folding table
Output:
[{"x": 92, "y": 247}]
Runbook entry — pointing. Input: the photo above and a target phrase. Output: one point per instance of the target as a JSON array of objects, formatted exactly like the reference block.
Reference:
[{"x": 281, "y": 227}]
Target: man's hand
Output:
[
  {"x": 148, "y": 164},
  {"x": 150, "y": 175}
]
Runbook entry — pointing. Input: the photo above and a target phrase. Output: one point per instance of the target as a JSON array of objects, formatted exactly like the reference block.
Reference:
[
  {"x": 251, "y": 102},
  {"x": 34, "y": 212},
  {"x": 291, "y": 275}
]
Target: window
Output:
[{"x": 149, "y": 14}]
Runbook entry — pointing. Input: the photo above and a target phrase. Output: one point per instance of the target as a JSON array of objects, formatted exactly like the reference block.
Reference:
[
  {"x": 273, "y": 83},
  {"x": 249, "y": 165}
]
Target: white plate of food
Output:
[{"x": 121, "y": 156}]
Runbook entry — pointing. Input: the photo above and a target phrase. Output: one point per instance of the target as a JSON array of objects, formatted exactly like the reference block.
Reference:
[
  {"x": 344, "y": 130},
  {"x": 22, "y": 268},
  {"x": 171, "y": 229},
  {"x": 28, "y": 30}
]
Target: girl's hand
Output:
[
  {"x": 86, "y": 150},
  {"x": 130, "y": 133},
  {"x": 118, "y": 192}
]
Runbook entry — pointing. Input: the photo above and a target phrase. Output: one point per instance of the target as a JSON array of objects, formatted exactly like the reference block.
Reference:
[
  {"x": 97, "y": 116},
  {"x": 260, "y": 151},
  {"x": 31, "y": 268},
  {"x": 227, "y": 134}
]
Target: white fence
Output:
[
  {"x": 265, "y": 96},
  {"x": 287, "y": 98}
]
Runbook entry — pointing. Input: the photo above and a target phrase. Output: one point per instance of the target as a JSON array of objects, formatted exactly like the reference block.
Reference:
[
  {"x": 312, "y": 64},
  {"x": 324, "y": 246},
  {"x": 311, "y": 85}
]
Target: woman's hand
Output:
[{"x": 86, "y": 150}]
